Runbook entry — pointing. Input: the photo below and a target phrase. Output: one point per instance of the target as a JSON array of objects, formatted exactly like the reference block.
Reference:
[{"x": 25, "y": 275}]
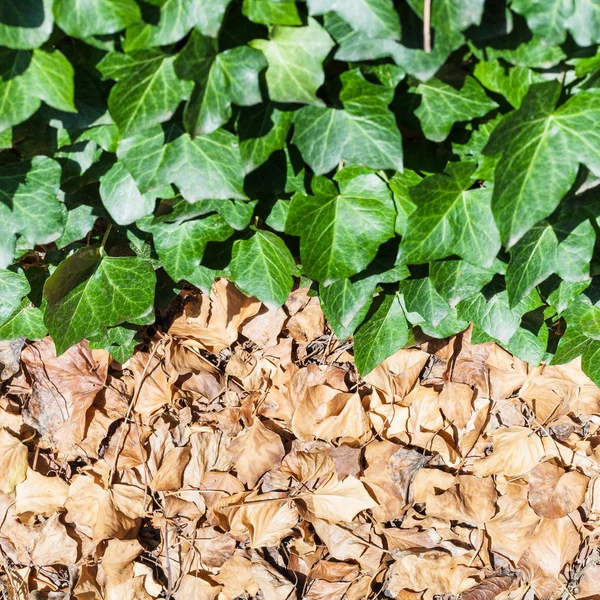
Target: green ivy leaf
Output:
[
  {"x": 29, "y": 204},
  {"x": 230, "y": 77},
  {"x": 381, "y": 335},
  {"x": 95, "y": 17},
  {"x": 346, "y": 303},
  {"x": 450, "y": 219},
  {"x": 120, "y": 342},
  {"x": 541, "y": 150},
  {"x": 28, "y": 78},
  {"x": 364, "y": 133},
  {"x": 452, "y": 15},
  {"x": 374, "y": 18},
  {"x": 295, "y": 56},
  {"x": 176, "y": 19},
  {"x": 421, "y": 297},
  {"x": 442, "y": 104},
  {"x": 490, "y": 310},
  {"x": 546, "y": 18},
  {"x": 262, "y": 131},
  {"x": 27, "y": 322},
  {"x": 180, "y": 244},
  {"x": 148, "y": 95},
  {"x": 272, "y": 12},
  {"x": 334, "y": 242},
  {"x": 79, "y": 221},
  {"x": 262, "y": 266},
  {"x": 25, "y": 25},
  {"x": 13, "y": 288},
  {"x": 512, "y": 82},
  {"x": 581, "y": 339},
  {"x": 456, "y": 280},
  {"x": 88, "y": 292},
  {"x": 121, "y": 197},
  {"x": 209, "y": 166}
]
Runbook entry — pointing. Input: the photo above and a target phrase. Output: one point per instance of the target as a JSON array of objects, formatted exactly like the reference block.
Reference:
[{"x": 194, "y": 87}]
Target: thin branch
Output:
[{"x": 427, "y": 26}]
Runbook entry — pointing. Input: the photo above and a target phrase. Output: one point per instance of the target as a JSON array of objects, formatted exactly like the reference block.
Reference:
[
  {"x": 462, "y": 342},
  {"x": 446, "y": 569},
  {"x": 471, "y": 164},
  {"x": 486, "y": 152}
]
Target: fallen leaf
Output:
[
  {"x": 554, "y": 493},
  {"x": 13, "y": 461},
  {"x": 255, "y": 451},
  {"x": 39, "y": 495},
  {"x": 54, "y": 546}
]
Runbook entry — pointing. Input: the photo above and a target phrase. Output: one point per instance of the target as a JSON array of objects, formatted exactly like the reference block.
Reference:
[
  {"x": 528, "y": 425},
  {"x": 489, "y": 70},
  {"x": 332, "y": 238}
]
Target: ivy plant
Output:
[{"x": 424, "y": 165}]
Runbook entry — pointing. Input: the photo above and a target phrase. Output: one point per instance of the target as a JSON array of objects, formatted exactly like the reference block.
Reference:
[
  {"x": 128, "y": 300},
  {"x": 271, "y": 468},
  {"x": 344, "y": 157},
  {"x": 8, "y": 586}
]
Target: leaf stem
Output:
[
  {"x": 104, "y": 238},
  {"x": 427, "y": 26}
]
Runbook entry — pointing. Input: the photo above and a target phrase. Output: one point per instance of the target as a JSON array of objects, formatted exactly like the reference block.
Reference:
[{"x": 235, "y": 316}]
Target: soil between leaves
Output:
[{"x": 238, "y": 455}]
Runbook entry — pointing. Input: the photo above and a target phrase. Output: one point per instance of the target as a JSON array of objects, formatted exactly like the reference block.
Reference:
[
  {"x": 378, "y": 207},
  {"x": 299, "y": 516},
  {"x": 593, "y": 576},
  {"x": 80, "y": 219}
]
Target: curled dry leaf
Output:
[
  {"x": 13, "y": 461},
  {"x": 554, "y": 493}
]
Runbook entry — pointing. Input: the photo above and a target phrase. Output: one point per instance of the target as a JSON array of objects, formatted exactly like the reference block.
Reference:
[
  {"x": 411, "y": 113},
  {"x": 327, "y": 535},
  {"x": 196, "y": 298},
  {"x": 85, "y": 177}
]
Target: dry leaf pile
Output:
[{"x": 240, "y": 456}]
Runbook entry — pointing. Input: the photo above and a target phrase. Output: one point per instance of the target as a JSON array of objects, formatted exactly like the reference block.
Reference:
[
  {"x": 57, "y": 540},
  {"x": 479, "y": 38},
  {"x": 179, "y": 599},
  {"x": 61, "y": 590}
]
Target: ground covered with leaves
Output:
[{"x": 238, "y": 454}]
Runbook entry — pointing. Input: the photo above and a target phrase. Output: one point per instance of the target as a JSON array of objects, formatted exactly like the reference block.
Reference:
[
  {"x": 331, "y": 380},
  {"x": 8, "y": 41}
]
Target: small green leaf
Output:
[
  {"x": 230, "y": 77},
  {"x": 88, "y": 292},
  {"x": 334, "y": 241},
  {"x": 262, "y": 266},
  {"x": 421, "y": 297},
  {"x": 374, "y": 18},
  {"x": 180, "y": 245},
  {"x": 13, "y": 288},
  {"x": 381, "y": 335},
  {"x": 456, "y": 280},
  {"x": 27, "y": 322},
  {"x": 207, "y": 167},
  {"x": 295, "y": 56},
  {"x": 79, "y": 222},
  {"x": 26, "y": 24},
  {"x": 272, "y": 12},
  {"x": 95, "y": 17},
  {"x": 442, "y": 104},
  {"x": 120, "y": 342},
  {"x": 29, "y": 204},
  {"x": 364, "y": 133},
  {"x": 175, "y": 19},
  {"x": 121, "y": 197},
  {"x": 147, "y": 96},
  {"x": 450, "y": 219}
]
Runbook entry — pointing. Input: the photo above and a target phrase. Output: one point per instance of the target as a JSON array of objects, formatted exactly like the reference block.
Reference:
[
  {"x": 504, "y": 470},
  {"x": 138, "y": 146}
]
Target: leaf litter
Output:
[{"x": 238, "y": 454}]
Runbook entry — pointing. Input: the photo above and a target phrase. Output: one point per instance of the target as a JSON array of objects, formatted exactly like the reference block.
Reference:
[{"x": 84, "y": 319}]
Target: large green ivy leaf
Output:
[
  {"x": 13, "y": 288},
  {"x": 121, "y": 197},
  {"x": 88, "y": 292},
  {"x": 374, "y": 18},
  {"x": 25, "y": 24},
  {"x": 422, "y": 298},
  {"x": 381, "y": 335},
  {"x": 541, "y": 150},
  {"x": 450, "y": 219},
  {"x": 207, "y": 167},
  {"x": 29, "y": 204},
  {"x": 334, "y": 241},
  {"x": 150, "y": 94},
  {"x": 295, "y": 56},
  {"x": 176, "y": 19},
  {"x": 262, "y": 266},
  {"x": 364, "y": 133},
  {"x": 230, "y": 77},
  {"x": 28, "y": 78},
  {"x": 584, "y": 23},
  {"x": 442, "y": 104},
  {"x": 95, "y": 17}
]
